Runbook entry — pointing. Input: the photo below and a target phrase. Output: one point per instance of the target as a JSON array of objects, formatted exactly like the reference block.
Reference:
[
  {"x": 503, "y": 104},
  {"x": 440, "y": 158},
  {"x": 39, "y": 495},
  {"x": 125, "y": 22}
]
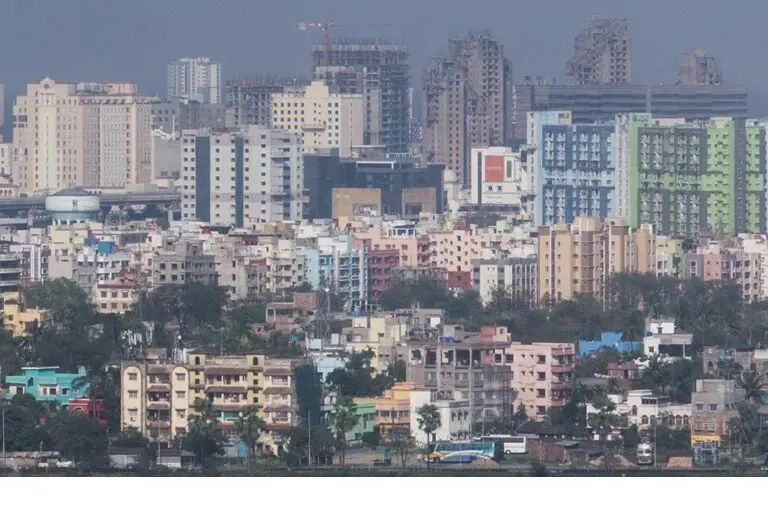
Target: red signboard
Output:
[{"x": 494, "y": 168}]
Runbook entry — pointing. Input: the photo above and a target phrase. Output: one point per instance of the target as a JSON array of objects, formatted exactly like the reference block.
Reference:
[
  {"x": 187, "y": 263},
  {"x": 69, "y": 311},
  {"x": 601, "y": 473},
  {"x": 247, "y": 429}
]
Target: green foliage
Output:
[
  {"x": 130, "y": 438},
  {"x": 674, "y": 379},
  {"x": 309, "y": 394},
  {"x": 401, "y": 442},
  {"x": 25, "y": 428},
  {"x": 358, "y": 378},
  {"x": 397, "y": 371},
  {"x": 372, "y": 438},
  {"x": 428, "y": 419},
  {"x": 299, "y": 440},
  {"x": 66, "y": 302},
  {"x": 78, "y": 437},
  {"x": 204, "y": 437},
  {"x": 343, "y": 419},
  {"x": 249, "y": 427},
  {"x": 190, "y": 305},
  {"x": 538, "y": 469}
]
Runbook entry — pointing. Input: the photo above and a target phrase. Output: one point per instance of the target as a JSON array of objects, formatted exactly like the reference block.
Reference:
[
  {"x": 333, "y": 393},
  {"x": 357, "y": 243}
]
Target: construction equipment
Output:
[{"x": 325, "y": 29}]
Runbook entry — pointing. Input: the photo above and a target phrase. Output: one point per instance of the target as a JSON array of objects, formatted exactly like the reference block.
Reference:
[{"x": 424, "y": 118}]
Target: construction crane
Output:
[{"x": 325, "y": 29}]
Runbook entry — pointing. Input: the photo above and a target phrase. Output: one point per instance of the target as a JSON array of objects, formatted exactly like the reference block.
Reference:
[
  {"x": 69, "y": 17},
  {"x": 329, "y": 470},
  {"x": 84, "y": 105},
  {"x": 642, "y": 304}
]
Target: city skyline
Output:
[{"x": 658, "y": 43}]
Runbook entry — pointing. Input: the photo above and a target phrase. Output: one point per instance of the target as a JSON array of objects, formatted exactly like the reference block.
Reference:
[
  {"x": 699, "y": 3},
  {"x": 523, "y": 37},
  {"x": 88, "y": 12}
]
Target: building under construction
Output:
[
  {"x": 699, "y": 68},
  {"x": 602, "y": 54},
  {"x": 249, "y": 98},
  {"x": 379, "y": 71},
  {"x": 464, "y": 101}
]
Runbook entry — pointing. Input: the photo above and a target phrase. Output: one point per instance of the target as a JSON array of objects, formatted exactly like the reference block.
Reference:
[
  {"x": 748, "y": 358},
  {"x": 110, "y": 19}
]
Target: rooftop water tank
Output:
[{"x": 74, "y": 205}]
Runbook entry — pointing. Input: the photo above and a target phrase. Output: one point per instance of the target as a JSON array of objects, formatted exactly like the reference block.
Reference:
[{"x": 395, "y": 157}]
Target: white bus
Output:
[{"x": 512, "y": 444}]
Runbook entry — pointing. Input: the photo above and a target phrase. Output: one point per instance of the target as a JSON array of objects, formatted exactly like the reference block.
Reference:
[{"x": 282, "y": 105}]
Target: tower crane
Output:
[{"x": 325, "y": 29}]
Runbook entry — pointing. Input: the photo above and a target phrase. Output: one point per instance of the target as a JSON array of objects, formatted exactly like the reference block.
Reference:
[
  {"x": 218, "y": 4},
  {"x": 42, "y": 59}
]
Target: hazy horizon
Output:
[{"x": 90, "y": 40}]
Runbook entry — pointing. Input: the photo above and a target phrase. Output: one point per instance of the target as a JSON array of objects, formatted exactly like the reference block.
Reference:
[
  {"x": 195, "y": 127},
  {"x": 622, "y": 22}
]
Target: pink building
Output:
[{"x": 542, "y": 375}]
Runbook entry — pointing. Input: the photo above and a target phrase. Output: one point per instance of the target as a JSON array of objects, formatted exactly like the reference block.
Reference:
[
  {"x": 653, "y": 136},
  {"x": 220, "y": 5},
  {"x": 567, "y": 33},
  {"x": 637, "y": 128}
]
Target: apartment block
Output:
[
  {"x": 243, "y": 274},
  {"x": 696, "y": 177},
  {"x": 249, "y": 98},
  {"x": 515, "y": 276},
  {"x": 335, "y": 263},
  {"x": 6, "y": 158},
  {"x": 196, "y": 79},
  {"x": 158, "y": 394},
  {"x": 713, "y": 404},
  {"x": 573, "y": 171},
  {"x": 241, "y": 178},
  {"x": 697, "y": 67},
  {"x": 182, "y": 261},
  {"x": 175, "y": 115},
  {"x": 464, "y": 105},
  {"x": 323, "y": 120},
  {"x": 399, "y": 235},
  {"x": 393, "y": 408},
  {"x": 87, "y": 134},
  {"x": 542, "y": 375},
  {"x": 379, "y": 72},
  {"x": 581, "y": 257},
  {"x": 465, "y": 367},
  {"x": 601, "y": 54}
]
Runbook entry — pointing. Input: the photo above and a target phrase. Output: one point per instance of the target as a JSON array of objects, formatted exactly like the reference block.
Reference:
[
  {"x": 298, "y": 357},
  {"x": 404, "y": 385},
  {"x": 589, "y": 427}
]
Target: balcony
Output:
[{"x": 562, "y": 368}]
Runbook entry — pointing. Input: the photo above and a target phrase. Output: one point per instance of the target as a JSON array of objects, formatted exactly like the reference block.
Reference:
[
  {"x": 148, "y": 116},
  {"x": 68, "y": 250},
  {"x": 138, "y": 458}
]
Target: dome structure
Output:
[{"x": 73, "y": 205}]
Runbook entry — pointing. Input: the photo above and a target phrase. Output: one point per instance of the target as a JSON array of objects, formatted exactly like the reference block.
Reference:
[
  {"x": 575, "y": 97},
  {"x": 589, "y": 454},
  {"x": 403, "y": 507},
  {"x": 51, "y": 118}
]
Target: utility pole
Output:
[
  {"x": 2, "y": 406},
  {"x": 309, "y": 439}
]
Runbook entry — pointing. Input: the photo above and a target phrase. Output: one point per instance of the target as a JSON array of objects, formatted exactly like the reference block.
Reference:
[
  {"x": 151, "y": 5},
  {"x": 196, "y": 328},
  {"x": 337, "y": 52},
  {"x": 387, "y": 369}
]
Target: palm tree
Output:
[
  {"x": 428, "y": 418},
  {"x": 249, "y": 427},
  {"x": 753, "y": 384}
]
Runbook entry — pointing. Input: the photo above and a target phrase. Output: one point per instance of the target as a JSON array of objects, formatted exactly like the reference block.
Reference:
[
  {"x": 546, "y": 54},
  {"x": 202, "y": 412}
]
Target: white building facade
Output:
[
  {"x": 196, "y": 79},
  {"x": 322, "y": 119},
  {"x": 241, "y": 178}
]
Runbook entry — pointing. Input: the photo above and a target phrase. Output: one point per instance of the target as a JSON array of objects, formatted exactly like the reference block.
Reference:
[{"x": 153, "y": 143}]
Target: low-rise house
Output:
[
  {"x": 455, "y": 422},
  {"x": 46, "y": 384},
  {"x": 664, "y": 342},
  {"x": 125, "y": 457}
]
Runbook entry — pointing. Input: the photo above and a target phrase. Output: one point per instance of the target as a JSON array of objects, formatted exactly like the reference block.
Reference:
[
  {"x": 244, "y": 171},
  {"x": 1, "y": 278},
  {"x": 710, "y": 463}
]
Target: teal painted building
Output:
[{"x": 46, "y": 384}]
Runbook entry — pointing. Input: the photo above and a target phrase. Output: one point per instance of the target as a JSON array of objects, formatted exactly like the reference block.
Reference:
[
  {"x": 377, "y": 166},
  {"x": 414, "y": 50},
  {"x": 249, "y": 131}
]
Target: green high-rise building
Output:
[{"x": 687, "y": 178}]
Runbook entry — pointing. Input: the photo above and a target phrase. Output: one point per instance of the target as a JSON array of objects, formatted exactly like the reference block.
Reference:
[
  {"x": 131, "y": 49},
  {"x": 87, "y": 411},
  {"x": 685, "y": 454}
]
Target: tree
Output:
[
  {"x": 520, "y": 414},
  {"x": 343, "y": 419},
  {"x": 249, "y": 427},
  {"x": 402, "y": 443},
  {"x": 372, "y": 438},
  {"x": 358, "y": 378},
  {"x": 299, "y": 440},
  {"x": 428, "y": 418},
  {"x": 66, "y": 302},
  {"x": 753, "y": 384},
  {"x": 79, "y": 438},
  {"x": 24, "y": 422},
  {"x": 130, "y": 438},
  {"x": 397, "y": 371},
  {"x": 204, "y": 437}
]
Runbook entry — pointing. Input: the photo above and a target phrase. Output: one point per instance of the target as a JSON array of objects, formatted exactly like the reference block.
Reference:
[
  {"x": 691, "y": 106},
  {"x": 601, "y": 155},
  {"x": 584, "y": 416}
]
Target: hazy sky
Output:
[{"x": 95, "y": 40}]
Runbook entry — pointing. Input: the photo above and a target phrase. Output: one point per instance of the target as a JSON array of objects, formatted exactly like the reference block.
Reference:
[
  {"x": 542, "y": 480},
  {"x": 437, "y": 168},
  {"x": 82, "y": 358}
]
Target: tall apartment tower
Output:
[
  {"x": 196, "y": 79},
  {"x": 249, "y": 98},
  {"x": 601, "y": 54},
  {"x": 464, "y": 105},
  {"x": 86, "y": 134},
  {"x": 699, "y": 68},
  {"x": 322, "y": 119},
  {"x": 378, "y": 71},
  {"x": 580, "y": 257},
  {"x": 238, "y": 178}
]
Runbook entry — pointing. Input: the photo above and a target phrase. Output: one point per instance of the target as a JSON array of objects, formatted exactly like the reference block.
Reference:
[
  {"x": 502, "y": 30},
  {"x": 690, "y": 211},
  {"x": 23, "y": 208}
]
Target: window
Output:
[
  {"x": 541, "y": 359},
  {"x": 713, "y": 407},
  {"x": 132, "y": 377},
  {"x": 540, "y": 375},
  {"x": 133, "y": 394},
  {"x": 181, "y": 394},
  {"x": 181, "y": 414},
  {"x": 180, "y": 377},
  {"x": 699, "y": 407},
  {"x": 541, "y": 393}
]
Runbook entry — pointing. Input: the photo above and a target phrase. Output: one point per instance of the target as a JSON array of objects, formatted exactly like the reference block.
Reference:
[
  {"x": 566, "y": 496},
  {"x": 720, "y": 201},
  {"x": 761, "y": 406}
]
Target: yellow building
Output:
[
  {"x": 581, "y": 257},
  {"x": 158, "y": 395},
  {"x": 393, "y": 408},
  {"x": 17, "y": 318},
  {"x": 380, "y": 333}
]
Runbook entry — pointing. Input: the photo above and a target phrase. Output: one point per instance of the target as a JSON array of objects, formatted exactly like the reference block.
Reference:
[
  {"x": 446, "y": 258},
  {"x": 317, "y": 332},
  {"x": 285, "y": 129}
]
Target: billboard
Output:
[{"x": 494, "y": 168}]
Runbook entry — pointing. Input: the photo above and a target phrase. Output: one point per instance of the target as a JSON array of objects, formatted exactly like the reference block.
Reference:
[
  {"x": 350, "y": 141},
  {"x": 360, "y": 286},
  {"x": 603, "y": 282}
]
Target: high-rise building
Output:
[
  {"x": 175, "y": 115},
  {"x": 699, "y": 68},
  {"x": 464, "y": 105},
  {"x": 601, "y": 53},
  {"x": 236, "y": 178},
  {"x": 688, "y": 178},
  {"x": 497, "y": 177},
  {"x": 249, "y": 99},
  {"x": 581, "y": 257},
  {"x": 196, "y": 79},
  {"x": 573, "y": 168},
  {"x": 323, "y": 120},
  {"x": 86, "y": 134},
  {"x": 379, "y": 72},
  {"x": 593, "y": 103}
]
